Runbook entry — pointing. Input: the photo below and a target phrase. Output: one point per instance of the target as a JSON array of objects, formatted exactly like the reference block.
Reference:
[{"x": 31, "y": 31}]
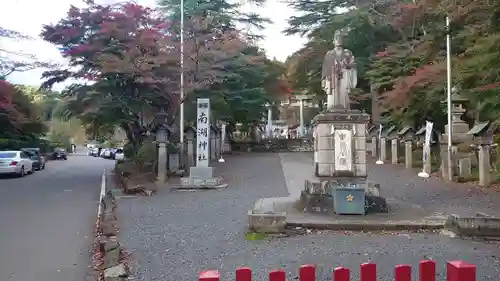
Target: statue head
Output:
[{"x": 337, "y": 39}]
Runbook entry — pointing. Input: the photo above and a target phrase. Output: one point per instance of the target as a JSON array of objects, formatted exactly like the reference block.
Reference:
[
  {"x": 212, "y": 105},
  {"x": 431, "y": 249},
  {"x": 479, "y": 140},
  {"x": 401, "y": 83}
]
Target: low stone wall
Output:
[
  {"x": 108, "y": 255},
  {"x": 275, "y": 145}
]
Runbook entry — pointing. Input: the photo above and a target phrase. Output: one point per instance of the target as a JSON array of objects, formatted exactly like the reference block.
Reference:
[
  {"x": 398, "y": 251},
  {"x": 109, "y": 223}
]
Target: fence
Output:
[{"x": 455, "y": 271}]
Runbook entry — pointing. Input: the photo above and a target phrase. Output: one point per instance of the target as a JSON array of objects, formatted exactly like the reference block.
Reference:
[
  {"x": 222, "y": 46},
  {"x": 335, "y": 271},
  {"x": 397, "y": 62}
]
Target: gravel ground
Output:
[{"x": 172, "y": 236}]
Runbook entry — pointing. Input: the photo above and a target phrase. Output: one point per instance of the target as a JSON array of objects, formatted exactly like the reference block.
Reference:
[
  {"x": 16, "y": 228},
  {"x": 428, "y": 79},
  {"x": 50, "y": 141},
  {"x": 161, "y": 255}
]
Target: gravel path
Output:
[{"x": 172, "y": 236}]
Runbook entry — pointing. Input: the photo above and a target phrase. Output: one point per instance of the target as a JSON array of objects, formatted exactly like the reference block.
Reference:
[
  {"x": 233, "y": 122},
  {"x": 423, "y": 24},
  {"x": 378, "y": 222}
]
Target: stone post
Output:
[
  {"x": 374, "y": 146},
  {"x": 213, "y": 143},
  {"x": 217, "y": 144},
  {"x": 394, "y": 150},
  {"x": 484, "y": 165},
  {"x": 190, "y": 150},
  {"x": 408, "y": 154},
  {"x": 427, "y": 165},
  {"x": 383, "y": 151},
  {"x": 162, "y": 162},
  {"x": 301, "y": 117}
]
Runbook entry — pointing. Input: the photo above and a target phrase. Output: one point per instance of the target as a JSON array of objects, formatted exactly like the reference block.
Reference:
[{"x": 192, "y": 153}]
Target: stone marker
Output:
[{"x": 201, "y": 176}]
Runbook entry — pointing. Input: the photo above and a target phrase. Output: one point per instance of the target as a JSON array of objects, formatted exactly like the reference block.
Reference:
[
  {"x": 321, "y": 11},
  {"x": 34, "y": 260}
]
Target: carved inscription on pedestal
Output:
[{"x": 343, "y": 150}]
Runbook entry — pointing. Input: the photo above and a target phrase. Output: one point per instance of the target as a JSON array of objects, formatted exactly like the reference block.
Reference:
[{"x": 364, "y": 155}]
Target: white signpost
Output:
[
  {"x": 222, "y": 140},
  {"x": 379, "y": 161},
  {"x": 203, "y": 133},
  {"x": 426, "y": 159}
]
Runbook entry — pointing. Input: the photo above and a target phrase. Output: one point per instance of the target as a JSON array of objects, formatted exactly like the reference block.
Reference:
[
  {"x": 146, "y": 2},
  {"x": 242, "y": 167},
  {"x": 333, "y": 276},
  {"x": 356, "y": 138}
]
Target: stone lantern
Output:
[
  {"x": 162, "y": 131},
  {"x": 458, "y": 127}
]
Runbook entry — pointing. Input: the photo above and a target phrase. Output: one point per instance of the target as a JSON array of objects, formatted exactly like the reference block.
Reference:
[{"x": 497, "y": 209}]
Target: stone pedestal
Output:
[
  {"x": 408, "y": 154},
  {"x": 394, "y": 151},
  {"x": 341, "y": 143},
  {"x": 340, "y": 165}
]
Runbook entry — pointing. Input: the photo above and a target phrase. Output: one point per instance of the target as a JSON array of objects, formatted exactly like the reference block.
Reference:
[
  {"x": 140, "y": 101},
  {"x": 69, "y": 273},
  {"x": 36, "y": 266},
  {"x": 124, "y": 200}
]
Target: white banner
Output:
[
  {"x": 223, "y": 135},
  {"x": 380, "y": 132},
  {"x": 427, "y": 143},
  {"x": 203, "y": 133}
]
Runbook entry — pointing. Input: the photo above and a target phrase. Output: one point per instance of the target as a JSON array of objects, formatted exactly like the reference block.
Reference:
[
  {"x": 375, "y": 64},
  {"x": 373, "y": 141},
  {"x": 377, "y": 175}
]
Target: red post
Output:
[
  {"x": 208, "y": 275},
  {"x": 341, "y": 274},
  {"x": 243, "y": 274},
  {"x": 427, "y": 270},
  {"x": 277, "y": 275},
  {"x": 402, "y": 272},
  {"x": 307, "y": 272},
  {"x": 460, "y": 271},
  {"x": 368, "y": 272}
]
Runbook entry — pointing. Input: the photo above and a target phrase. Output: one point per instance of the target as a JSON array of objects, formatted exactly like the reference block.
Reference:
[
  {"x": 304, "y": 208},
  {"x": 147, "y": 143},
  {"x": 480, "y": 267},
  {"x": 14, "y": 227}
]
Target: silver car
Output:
[{"x": 16, "y": 163}]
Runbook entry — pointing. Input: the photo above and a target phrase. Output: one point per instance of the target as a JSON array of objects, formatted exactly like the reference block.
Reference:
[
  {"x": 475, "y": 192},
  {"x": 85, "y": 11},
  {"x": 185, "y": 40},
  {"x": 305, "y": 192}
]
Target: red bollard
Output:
[
  {"x": 307, "y": 272},
  {"x": 427, "y": 270},
  {"x": 368, "y": 272},
  {"x": 243, "y": 274},
  {"x": 402, "y": 272},
  {"x": 277, "y": 275},
  {"x": 460, "y": 271},
  {"x": 208, "y": 275},
  {"x": 341, "y": 274}
]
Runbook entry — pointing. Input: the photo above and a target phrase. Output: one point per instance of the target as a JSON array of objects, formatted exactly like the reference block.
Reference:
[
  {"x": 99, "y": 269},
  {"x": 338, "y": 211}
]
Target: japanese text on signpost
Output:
[{"x": 203, "y": 132}]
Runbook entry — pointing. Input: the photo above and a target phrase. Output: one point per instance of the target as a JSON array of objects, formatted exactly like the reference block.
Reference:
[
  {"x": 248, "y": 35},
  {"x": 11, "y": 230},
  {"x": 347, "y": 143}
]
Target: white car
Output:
[
  {"x": 15, "y": 162},
  {"x": 119, "y": 154}
]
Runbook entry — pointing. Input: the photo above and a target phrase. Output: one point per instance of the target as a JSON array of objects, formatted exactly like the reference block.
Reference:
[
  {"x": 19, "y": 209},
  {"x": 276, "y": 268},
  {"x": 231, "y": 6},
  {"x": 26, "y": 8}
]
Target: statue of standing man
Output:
[{"x": 339, "y": 75}]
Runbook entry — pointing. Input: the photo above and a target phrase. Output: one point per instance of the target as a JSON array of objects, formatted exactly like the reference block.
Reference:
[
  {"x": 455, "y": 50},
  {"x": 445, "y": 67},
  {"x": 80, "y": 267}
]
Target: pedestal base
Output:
[
  {"x": 319, "y": 196},
  {"x": 201, "y": 172}
]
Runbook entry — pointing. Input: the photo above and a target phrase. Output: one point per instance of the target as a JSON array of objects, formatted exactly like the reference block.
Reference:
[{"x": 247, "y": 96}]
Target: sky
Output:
[{"x": 28, "y": 17}]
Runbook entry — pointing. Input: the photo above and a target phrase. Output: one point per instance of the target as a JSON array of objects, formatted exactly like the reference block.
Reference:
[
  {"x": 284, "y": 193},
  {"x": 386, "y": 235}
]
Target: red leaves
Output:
[
  {"x": 488, "y": 87},
  {"x": 399, "y": 96},
  {"x": 405, "y": 13},
  {"x": 382, "y": 54}
]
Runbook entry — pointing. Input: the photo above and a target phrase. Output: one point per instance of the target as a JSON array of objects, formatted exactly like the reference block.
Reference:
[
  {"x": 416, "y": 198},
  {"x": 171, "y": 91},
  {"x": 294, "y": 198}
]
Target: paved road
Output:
[
  {"x": 172, "y": 236},
  {"x": 46, "y": 221}
]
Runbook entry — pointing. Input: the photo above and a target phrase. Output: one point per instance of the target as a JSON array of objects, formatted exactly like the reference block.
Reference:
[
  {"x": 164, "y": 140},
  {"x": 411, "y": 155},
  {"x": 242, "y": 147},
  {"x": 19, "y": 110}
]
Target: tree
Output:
[
  {"x": 19, "y": 118},
  {"x": 241, "y": 80},
  {"x": 127, "y": 57},
  {"x": 400, "y": 50},
  {"x": 16, "y": 61}
]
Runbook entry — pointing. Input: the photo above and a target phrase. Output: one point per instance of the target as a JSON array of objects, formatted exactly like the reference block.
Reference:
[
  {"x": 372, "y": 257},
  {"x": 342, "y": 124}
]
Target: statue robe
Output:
[{"x": 338, "y": 77}]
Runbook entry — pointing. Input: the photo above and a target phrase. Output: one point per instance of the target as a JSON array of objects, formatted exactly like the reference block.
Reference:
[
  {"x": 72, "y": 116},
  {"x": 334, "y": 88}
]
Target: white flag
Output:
[{"x": 427, "y": 143}]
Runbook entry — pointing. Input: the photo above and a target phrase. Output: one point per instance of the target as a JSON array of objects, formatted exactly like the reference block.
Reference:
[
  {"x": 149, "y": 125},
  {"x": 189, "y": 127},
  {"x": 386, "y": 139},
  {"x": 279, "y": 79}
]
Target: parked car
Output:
[
  {"x": 94, "y": 151},
  {"x": 16, "y": 163},
  {"x": 107, "y": 153},
  {"x": 59, "y": 153},
  {"x": 119, "y": 154},
  {"x": 36, "y": 157}
]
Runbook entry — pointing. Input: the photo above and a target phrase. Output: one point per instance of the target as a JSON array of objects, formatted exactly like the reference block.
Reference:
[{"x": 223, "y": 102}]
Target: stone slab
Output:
[
  {"x": 268, "y": 222},
  {"x": 197, "y": 183},
  {"x": 201, "y": 172},
  {"x": 480, "y": 225}
]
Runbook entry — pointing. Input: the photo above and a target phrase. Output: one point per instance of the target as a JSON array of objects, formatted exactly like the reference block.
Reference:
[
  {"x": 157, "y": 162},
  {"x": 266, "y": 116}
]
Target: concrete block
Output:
[
  {"x": 266, "y": 222},
  {"x": 326, "y": 156},
  {"x": 201, "y": 172},
  {"x": 478, "y": 226},
  {"x": 198, "y": 182}
]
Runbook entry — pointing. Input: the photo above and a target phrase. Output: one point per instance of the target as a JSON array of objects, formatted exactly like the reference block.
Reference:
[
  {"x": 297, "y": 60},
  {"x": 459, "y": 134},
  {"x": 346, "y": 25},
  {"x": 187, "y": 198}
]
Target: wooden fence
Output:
[{"x": 455, "y": 271}]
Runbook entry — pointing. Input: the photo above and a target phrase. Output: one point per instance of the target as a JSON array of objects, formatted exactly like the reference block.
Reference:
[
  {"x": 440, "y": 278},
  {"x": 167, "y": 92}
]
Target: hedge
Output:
[{"x": 14, "y": 144}]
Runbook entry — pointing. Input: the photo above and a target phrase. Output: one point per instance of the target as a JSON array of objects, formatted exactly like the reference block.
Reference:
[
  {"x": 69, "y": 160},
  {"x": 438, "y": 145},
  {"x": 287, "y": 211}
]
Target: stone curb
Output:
[
  {"x": 108, "y": 252},
  {"x": 480, "y": 225},
  {"x": 197, "y": 187},
  {"x": 371, "y": 226}
]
